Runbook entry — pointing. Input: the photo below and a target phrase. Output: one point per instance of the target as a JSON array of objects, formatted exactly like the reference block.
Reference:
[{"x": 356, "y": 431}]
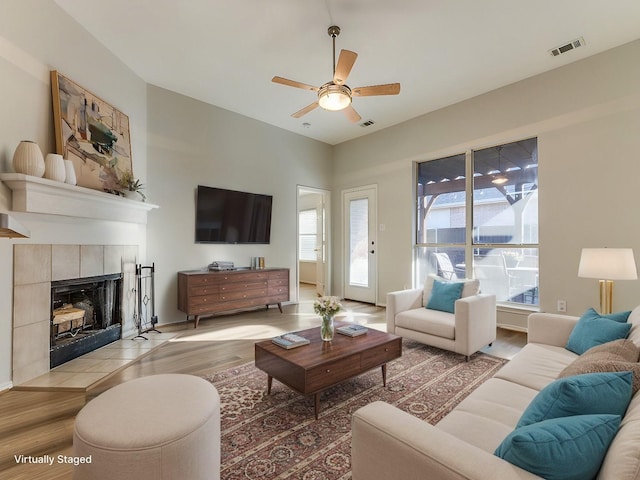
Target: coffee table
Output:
[{"x": 312, "y": 368}]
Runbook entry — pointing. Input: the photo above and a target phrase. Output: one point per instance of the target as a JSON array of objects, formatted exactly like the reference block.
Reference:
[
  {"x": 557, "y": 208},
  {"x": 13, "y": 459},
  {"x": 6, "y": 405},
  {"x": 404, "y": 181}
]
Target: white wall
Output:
[
  {"x": 192, "y": 143},
  {"x": 35, "y": 37},
  {"x": 586, "y": 116}
]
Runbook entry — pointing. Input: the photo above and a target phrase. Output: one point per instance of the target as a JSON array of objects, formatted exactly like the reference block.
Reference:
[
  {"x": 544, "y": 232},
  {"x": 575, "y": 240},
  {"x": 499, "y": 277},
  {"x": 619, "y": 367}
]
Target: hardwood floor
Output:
[{"x": 41, "y": 423}]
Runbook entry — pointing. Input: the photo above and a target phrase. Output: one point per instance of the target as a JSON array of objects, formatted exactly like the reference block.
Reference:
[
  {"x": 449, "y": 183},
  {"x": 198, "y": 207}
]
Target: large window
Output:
[{"x": 477, "y": 216}]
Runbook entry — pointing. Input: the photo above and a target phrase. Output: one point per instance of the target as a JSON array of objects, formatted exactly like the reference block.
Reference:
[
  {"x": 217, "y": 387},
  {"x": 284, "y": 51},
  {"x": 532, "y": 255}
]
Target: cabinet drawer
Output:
[
  {"x": 243, "y": 277},
  {"x": 203, "y": 290},
  {"x": 380, "y": 355},
  {"x": 197, "y": 280},
  {"x": 279, "y": 274},
  {"x": 243, "y": 286},
  {"x": 203, "y": 300},
  {"x": 241, "y": 303},
  {"x": 278, "y": 291},
  {"x": 240, "y": 294},
  {"x": 319, "y": 378}
]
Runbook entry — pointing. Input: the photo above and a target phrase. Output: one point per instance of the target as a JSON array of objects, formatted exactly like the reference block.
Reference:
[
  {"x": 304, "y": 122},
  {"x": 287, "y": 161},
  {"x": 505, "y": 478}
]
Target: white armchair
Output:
[{"x": 471, "y": 326}]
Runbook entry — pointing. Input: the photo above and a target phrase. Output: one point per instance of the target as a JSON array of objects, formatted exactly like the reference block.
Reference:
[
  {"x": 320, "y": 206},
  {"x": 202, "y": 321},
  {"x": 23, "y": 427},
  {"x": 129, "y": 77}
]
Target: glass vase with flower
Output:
[{"x": 327, "y": 307}]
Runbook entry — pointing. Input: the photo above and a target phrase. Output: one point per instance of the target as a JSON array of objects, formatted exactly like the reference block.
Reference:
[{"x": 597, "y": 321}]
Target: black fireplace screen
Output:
[{"x": 85, "y": 315}]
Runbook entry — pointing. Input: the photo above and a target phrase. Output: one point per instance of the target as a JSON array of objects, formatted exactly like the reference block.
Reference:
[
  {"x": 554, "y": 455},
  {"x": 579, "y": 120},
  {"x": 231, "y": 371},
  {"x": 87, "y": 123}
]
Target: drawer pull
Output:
[
  {"x": 328, "y": 370},
  {"x": 386, "y": 349}
]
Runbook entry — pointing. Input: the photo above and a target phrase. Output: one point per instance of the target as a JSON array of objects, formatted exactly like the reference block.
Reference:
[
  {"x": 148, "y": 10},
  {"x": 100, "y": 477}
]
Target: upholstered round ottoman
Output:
[{"x": 158, "y": 427}]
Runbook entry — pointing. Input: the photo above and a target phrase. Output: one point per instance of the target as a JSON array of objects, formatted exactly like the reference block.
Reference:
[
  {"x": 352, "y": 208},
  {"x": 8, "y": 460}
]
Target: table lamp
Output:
[{"x": 607, "y": 264}]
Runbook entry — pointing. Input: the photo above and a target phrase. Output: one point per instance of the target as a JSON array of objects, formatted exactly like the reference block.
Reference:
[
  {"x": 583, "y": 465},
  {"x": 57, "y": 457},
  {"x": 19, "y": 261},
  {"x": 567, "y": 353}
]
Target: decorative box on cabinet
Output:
[{"x": 202, "y": 293}]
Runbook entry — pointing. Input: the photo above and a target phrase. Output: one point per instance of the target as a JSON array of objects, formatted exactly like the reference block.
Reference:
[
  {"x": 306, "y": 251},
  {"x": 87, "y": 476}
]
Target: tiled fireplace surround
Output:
[{"x": 34, "y": 268}]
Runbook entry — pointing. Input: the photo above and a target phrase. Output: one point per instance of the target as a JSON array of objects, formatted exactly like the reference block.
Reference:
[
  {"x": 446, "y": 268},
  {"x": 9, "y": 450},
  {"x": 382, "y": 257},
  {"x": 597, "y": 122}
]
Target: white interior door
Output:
[
  {"x": 360, "y": 246},
  {"x": 314, "y": 258}
]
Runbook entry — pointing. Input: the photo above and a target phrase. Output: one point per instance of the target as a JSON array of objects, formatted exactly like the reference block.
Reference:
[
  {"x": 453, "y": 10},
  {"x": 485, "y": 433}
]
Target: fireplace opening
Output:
[{"x": 85, "y": 315}]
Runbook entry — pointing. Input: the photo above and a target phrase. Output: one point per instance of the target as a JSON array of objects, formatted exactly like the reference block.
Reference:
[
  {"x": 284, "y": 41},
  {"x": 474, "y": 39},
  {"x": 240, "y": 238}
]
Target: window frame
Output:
[{"x": 470, "y": 246}]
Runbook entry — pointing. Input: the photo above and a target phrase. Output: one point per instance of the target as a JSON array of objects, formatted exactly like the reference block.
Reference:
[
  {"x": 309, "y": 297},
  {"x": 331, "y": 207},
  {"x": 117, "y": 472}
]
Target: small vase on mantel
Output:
[
  {"x": 28, "y": 159},
  {"x": 54, "y": 167},
  {"x": 70, "y": 173}
]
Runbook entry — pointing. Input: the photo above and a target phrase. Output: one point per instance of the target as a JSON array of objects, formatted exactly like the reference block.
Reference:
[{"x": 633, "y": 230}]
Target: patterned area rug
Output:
[{"x": 276, "y": 436}]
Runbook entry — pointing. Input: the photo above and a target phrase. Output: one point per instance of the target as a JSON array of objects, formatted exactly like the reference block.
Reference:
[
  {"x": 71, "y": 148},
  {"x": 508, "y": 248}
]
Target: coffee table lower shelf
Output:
[{"x": 313, "y": 368}]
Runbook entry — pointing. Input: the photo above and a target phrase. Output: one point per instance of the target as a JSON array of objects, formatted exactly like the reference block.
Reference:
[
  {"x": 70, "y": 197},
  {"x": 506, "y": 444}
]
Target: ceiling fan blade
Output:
[
  {"x": 305, "y": 110},
  {"x": 293, "y": 83},
  {"x": 345, "y": 62},
  {"x": 387, "y": 89},
  {"x": 351, "y": 114}
]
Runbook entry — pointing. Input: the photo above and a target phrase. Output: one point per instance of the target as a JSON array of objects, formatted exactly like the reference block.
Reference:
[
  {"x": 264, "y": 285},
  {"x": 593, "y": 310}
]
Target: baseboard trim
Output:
[
  {"x": 515, "y": 328},
  {"x": 6, "y": 386}
]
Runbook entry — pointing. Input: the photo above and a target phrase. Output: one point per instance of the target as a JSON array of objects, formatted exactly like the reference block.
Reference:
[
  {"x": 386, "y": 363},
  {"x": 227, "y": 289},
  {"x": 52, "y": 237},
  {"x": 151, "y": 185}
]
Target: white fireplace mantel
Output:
[{"x": 41, "y": 195}]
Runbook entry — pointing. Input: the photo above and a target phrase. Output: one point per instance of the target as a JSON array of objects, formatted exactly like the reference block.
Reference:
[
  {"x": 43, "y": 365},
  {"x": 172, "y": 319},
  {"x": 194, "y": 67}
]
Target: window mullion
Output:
[{"x": 468, "y": 250}]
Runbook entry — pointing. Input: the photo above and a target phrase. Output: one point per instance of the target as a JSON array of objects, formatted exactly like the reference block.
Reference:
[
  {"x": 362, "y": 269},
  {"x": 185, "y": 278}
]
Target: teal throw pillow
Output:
[
  {"x": 444, "y": 295},
  {"x": 594, "y": 329},
  {"x": 567, "y": 448},
  {"x": 590, "y": 393}
]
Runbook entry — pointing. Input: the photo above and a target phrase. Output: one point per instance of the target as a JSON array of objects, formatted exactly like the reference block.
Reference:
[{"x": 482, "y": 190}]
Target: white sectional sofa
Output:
[{"x": 389, "y": 443}]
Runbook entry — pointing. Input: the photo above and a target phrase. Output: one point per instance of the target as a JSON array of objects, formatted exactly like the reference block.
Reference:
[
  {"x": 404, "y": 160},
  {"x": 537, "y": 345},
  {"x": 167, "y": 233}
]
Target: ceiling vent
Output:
[
  {"x": 578, "y": 42},
  {"x": 368, "y": 123}
]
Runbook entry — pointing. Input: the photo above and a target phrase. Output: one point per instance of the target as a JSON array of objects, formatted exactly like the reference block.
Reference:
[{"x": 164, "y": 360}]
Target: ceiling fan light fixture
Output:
[
  {"x": 500, "y": 180},
  {"x": 334, "y": 97}
]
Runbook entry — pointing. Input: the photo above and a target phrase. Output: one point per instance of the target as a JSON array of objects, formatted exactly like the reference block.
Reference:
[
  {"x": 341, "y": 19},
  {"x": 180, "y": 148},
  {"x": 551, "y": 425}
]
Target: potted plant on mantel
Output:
[{"x": 131, "y": 185}]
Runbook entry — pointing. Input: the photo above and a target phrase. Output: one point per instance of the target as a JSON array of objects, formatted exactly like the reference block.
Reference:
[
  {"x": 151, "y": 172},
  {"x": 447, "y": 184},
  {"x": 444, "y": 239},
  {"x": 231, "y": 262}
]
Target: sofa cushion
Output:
[
  {"x": 567, "y": 448},
  {"x": 634, "y": 320},
  {"x": 616, "y": 356},
  {"x": 591, "y": 393},
  {"x": 470, "y": 288},
  {"x": 444, "y": 295},
  {"x": 432, "y": 322},
  {"x": 489, "y": 414},
  {"x": 594, "y": 329},
  {"x": 623, "y": 457},
  {"x": 536, "y": 365}
]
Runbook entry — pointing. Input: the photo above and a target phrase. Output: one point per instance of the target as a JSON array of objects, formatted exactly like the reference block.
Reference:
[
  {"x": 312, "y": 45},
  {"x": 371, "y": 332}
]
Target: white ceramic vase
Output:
[
  {"x": 28, "y": 159},
  {"x": 54, "y": 167},
  {"x": 70, "y": 173}
]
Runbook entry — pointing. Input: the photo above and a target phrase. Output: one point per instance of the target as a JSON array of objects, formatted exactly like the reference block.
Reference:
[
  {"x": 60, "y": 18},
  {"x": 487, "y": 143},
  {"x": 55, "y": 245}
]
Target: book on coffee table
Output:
[
  {"x": 290, "y": 340},
  {"x": 352, "y": 330}
]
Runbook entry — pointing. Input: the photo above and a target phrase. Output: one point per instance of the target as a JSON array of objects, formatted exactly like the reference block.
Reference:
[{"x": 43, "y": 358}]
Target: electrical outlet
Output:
[{"x": 562, "y": 306}]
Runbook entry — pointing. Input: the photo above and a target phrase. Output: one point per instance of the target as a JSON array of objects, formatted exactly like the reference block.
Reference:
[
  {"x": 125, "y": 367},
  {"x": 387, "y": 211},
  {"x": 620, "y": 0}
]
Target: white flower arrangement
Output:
[{"x": 324, "y": 306}]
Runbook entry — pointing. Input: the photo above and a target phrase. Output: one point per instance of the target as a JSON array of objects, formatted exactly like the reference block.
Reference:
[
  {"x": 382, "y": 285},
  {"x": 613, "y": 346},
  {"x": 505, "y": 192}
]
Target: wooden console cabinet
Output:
[{"x": 202, "y": 293}]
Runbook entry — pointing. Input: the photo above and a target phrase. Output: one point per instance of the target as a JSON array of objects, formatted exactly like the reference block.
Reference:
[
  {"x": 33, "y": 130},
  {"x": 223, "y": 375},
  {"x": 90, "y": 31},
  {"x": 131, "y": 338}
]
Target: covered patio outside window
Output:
[{"x": 483, "y": 206}]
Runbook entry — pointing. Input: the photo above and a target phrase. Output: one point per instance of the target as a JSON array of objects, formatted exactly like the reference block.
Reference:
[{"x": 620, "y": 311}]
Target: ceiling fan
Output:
[{"x": 336, "y": 95}]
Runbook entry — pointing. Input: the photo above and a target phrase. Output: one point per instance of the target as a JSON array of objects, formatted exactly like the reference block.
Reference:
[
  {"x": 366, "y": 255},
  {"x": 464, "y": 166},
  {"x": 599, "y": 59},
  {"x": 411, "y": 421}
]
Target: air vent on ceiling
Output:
[
  {"x": 368, "y": 123},
  {"x": 572, "y": 45}
]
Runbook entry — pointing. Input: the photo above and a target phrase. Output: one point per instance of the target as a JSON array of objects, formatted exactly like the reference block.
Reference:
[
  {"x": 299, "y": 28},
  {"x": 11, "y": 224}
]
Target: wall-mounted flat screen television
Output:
[{"x": 229, "y": 216}]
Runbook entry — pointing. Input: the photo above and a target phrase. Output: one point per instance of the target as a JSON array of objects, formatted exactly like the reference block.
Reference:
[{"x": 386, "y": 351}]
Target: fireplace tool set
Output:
[{"x": 145, "y": 316}]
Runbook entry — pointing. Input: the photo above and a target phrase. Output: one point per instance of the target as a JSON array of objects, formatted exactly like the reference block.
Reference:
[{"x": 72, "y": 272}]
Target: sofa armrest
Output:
[
  {"x": 550, "y": 328},
  {"x": 475, "y": 322},
  {"x": 401, "y": 301},
  {"x": 390, "y": 443}
]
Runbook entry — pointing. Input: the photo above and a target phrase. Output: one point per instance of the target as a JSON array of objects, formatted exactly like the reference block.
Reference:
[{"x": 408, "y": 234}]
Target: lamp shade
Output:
[
  {"x": 608, "y": 264},
  {"x": 334, "y": 97}
]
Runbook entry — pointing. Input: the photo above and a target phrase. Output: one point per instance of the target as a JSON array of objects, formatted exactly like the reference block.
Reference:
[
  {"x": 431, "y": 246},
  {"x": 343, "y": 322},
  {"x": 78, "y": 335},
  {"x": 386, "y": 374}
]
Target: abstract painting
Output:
[{"x": 92, "y": 134}]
